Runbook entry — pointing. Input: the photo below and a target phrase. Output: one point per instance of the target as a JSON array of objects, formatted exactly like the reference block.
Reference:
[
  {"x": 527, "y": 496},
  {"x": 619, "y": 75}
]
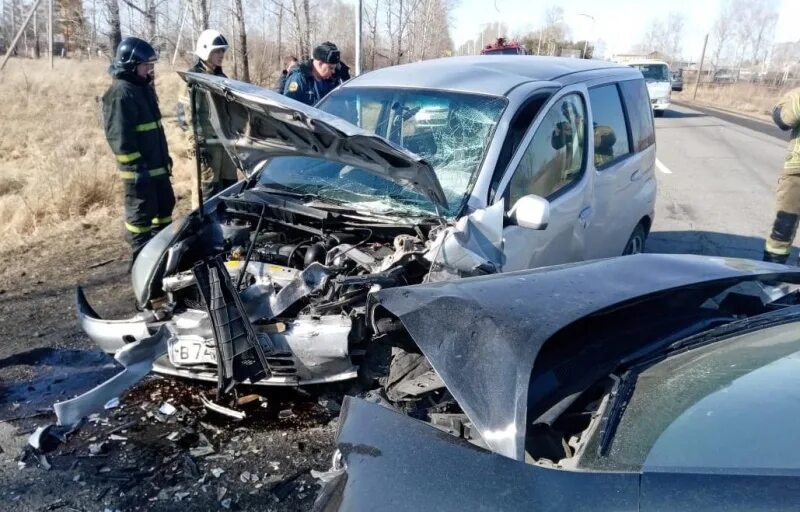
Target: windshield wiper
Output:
[{"x": 616, "y": 408}]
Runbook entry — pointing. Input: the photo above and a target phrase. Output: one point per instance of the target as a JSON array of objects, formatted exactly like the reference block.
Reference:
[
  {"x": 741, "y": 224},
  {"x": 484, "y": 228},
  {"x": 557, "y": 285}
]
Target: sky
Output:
[{"x": 619, "y": 23}]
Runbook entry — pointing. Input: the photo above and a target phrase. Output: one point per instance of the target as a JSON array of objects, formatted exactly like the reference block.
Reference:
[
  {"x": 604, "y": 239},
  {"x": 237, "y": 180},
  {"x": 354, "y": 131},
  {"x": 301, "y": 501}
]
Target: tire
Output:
[
  {"x": 636, "y": 242},
  {"x": 658, "y": 113}
]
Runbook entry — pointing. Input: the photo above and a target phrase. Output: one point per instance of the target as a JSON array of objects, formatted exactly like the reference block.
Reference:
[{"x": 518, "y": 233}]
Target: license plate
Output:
[{"x": 191, "y": 351}]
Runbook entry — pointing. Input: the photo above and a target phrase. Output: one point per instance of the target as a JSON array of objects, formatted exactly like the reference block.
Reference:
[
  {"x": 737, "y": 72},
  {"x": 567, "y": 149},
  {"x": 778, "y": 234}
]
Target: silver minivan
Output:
[{"x": 424, "y": 172}]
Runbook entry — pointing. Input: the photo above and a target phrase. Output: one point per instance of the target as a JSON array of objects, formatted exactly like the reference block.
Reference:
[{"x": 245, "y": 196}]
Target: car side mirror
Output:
[{"x": 532, "y": 212}]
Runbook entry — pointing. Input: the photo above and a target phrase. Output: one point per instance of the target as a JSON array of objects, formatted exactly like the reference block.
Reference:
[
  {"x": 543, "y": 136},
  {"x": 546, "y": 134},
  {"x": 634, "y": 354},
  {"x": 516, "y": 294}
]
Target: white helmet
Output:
[{"x": 209, "y": 41}]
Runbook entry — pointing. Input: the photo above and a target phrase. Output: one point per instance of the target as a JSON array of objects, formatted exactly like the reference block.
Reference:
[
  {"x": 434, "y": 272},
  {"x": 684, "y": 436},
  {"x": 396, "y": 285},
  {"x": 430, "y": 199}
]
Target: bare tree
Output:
[
  {"x": 200, "y": 14},
  {"x": 238, "y": 16},
  {"x": 114, "y": 25},
  {"x": 674, "y": 35},
  {"x": 722, "y": 32}
]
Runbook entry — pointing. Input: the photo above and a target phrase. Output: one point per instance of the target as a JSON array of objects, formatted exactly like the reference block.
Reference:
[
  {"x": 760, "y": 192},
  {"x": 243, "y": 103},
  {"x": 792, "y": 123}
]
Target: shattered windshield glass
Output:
[{"x": 449, "y": 130}]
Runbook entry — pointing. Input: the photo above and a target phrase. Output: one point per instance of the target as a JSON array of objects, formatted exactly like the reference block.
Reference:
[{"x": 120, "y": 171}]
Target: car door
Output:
[
  {"x": 551, "y": 163},
  {"x": 617, "y": 174}
]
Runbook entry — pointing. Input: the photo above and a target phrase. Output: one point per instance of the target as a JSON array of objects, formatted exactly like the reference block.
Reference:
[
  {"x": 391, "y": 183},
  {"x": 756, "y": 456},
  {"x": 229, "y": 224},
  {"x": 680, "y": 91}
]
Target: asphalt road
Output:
[{"x": 716, "y": 182}]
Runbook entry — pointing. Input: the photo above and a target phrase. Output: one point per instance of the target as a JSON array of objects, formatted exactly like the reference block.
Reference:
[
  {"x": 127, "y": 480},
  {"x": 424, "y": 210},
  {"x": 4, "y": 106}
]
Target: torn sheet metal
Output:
[
  {"x": 261, "y": 302},
  {"x": 137, "y": 358},
  {"x": 476, "y": 241},
  {"x": 386, "y": 453},
  {"x": 482, "y": 335}
]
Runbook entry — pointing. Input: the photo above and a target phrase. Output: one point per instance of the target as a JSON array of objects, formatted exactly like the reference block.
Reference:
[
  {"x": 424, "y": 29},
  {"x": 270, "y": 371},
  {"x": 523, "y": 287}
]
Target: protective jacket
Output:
[
  {"x": 133, "y": 127},
  {"x": 786, "y": 115},
  {"x": 302, "y": 86}
]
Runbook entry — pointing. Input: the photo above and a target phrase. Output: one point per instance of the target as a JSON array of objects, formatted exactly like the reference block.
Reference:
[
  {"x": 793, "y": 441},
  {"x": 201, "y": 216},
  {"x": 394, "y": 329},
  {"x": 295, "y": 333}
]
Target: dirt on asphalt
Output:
[{"x": 133, "y": 457}]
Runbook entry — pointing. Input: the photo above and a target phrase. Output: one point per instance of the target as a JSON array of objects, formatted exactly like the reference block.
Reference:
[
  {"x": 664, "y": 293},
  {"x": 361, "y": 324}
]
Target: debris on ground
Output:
[
  {"x": 238, "y": 415},
  {"x": 167, "y": 409},
  {"x": 138, "y": 457}
]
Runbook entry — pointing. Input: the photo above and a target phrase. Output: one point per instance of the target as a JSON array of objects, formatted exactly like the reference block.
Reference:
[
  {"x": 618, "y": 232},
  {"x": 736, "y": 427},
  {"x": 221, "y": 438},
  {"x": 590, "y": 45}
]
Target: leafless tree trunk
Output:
[
  {"x": 238, "y": 14},
  {"x": 200, "y": 13},
  {"x": 115, "y": 29}
]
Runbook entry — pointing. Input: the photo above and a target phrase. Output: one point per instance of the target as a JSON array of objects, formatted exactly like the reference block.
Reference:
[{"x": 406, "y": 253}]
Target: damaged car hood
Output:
[
  {"x": 255, "y": 125},
  {"x": 482, "y": 335}
]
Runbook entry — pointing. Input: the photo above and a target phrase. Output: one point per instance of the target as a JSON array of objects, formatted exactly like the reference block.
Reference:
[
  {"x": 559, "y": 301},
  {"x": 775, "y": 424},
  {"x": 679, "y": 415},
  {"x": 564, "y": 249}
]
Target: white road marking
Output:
[{"x": 661, "y": 167}]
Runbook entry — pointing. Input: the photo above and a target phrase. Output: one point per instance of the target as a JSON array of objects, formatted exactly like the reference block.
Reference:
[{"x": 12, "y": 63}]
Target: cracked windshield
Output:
[{"x": 451, "y": 131}]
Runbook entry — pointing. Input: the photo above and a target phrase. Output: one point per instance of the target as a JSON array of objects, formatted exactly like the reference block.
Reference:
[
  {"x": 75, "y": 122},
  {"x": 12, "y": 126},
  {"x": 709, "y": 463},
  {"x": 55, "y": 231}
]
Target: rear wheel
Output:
[{"x": 636, "y": 242}]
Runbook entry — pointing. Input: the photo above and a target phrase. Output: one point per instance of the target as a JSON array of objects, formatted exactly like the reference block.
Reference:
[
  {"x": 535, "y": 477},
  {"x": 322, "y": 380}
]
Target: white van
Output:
[{"x": 656, "y": 74}]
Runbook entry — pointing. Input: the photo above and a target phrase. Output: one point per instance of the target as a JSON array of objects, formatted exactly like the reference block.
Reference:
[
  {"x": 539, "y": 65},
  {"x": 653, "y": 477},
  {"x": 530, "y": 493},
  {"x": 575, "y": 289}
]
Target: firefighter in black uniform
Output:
[{"x": 133, "y": 129}]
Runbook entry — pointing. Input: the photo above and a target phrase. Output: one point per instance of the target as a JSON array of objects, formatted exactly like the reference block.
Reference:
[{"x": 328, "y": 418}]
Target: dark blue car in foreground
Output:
[{"x": 650, "y": 382}]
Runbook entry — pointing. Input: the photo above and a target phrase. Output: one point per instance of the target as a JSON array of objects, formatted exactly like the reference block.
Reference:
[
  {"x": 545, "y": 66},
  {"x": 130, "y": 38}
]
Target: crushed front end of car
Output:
[{"x": 270, "y": 285}]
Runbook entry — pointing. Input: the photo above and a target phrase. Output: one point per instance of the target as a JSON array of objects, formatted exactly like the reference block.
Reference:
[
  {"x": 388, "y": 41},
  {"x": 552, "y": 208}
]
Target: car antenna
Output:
[{"x": 197, "y": 156}]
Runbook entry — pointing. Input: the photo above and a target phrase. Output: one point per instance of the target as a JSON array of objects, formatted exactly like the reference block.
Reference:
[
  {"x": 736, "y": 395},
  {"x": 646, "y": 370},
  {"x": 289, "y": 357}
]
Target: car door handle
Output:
[
  {"x": 637, "y": 174},
  {"x": 584, "y": 216}
]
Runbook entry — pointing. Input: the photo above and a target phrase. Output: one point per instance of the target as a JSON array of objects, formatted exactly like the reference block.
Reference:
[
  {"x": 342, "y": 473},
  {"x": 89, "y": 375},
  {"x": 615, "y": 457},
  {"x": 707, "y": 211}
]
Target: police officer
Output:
[
  {"x": 313, "y": 79},
  {"x": 342, "y": 73},
  {"x": 786, "y": 115},
  {"x": 217, "y": 170},
  {"x": 133, "y": 129}
]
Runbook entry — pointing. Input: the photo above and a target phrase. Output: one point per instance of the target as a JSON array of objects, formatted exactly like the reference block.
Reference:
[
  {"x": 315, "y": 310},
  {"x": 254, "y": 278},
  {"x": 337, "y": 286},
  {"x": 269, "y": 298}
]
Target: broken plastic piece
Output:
[
  {"x": 112, "y": 404},
  {"x": 167, "y": 409},
  {"x": 137, "y": 358},
  {"x": 222, "y": 409}
]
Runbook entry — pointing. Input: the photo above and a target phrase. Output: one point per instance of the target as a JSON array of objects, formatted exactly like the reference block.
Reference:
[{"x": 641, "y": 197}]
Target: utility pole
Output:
[
  {"x": 50, "y": 31},
  {"x": 19, "y": 34},
  {"x": 359, "y": 20},
  {"x": 700, "y": 69}
]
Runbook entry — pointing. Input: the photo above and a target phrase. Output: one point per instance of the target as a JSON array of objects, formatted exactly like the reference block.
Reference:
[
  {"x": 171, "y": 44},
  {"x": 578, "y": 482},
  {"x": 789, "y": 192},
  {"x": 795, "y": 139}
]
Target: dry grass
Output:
[
  {"x": 754, "y": 99},
  {"x": 56, "y": 169}
]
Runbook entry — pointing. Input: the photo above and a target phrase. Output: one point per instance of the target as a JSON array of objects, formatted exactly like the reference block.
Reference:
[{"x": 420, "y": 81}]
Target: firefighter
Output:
[
  {"x": 786, "y": 115},
  {"x": 133, "y": 129},
  {"x": 313, "y": 79},
  {"x": 217, "y": 170}
]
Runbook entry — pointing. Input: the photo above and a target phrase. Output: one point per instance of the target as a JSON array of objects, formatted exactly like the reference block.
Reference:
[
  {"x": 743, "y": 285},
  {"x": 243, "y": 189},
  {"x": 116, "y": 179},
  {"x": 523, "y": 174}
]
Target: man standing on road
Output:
[
  {"x": 217, "y": 170},
  {"x": 786, "y": 115},
  {"x": 133, "y": 129},
  {"x": 313, "y": 79}
]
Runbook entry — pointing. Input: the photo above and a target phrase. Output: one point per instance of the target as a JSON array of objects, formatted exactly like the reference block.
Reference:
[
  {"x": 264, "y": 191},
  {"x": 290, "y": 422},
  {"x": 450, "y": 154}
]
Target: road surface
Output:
[{"x": 716, "y": 182}]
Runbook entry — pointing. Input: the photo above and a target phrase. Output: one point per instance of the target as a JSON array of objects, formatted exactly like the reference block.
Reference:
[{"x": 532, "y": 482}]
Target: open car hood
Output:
[
  {"x": 482, "y": 335},
  {"x": 255, "y": 124}
]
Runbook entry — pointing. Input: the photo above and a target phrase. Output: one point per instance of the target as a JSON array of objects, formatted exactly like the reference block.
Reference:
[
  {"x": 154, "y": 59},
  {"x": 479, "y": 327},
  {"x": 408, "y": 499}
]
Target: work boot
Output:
[{"x": 775, "y": 258}]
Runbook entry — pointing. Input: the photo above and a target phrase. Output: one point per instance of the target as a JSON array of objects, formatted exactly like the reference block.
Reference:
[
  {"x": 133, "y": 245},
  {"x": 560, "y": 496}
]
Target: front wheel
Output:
[{"x": 636, "y": 242}]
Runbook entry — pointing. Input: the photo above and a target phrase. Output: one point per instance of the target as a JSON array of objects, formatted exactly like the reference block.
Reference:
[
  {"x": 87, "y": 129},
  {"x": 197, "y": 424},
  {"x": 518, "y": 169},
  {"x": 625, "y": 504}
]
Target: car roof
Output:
[{"x": 494, "y": 75}]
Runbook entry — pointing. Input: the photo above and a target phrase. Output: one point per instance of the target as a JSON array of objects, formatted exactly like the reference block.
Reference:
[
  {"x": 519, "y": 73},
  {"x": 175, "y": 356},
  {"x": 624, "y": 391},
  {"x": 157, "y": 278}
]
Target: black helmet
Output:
[{"x": 133, "y": 51}]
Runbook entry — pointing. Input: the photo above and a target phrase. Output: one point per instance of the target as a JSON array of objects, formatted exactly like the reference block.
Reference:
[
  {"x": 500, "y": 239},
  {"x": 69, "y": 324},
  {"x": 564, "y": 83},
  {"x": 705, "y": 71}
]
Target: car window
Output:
[
  {"x": 640, "y": 113},
  {"x": 610, "y": 130},
  {"x": 554, "y": 158},
  {"x": 727, "y": 406}
]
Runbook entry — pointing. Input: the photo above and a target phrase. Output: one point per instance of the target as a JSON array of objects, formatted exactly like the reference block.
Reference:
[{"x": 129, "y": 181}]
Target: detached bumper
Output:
[{"x": 109, "y": 335}]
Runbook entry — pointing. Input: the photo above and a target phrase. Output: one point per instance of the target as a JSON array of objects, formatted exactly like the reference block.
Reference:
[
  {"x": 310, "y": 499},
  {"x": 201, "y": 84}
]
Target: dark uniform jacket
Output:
[
  {"x": 133, "y": 125},
  {"x": 301, "y": 85}
]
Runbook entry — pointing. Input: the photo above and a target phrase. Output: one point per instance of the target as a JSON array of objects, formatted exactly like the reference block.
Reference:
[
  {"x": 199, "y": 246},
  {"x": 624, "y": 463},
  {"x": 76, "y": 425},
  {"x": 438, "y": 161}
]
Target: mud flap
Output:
[{"x": 240, "y": 356}]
